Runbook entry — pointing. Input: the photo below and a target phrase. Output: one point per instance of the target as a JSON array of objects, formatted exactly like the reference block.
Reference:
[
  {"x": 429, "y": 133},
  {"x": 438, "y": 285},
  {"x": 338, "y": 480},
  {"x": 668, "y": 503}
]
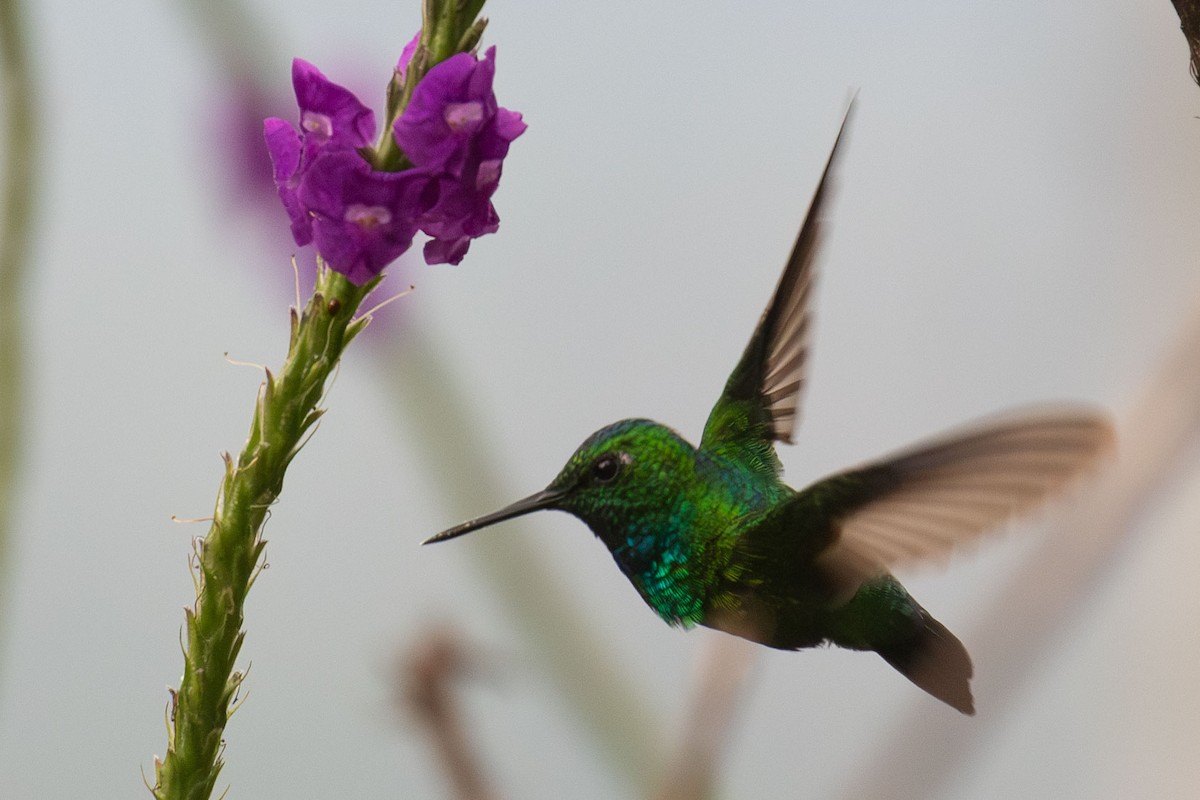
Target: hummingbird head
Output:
[{"x": 624, "y": 481}]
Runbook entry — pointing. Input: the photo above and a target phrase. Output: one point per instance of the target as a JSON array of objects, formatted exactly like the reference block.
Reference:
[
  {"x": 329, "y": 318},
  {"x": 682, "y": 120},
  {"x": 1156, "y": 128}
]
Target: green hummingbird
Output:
[{"x": 712, "y": 536}]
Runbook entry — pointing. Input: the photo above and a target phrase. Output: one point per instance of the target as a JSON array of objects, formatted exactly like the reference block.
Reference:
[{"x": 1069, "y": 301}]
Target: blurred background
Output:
[{"x": 1016, "y": 220}]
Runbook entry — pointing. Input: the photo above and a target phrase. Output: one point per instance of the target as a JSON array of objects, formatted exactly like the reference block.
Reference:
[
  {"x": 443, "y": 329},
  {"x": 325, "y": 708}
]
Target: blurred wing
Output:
[
  {"x": 922, "y": 504},
  {"x": 760, "y": 402}
]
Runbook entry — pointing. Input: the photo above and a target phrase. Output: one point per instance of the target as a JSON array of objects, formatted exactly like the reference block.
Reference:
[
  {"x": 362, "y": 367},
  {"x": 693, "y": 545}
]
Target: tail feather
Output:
[{"x": 936, "y": 661}]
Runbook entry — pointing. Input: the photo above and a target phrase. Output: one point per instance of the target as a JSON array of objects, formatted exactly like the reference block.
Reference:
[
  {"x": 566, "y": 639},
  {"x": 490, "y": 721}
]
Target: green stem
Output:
[
  {"x": 448, "y": 27},
  {"x": 19, "y": 199},
  {"x": 227, "y": 560}
]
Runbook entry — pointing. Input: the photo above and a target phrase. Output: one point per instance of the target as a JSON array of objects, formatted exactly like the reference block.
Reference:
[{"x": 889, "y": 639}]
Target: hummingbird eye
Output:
[{"x": 606, "y": 468}]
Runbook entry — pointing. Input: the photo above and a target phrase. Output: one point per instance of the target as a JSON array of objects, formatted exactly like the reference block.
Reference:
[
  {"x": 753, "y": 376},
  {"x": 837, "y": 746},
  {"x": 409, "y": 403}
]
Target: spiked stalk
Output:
[
  {"x": 449, "y": 436},
  {"x": 227, "y": 559}
]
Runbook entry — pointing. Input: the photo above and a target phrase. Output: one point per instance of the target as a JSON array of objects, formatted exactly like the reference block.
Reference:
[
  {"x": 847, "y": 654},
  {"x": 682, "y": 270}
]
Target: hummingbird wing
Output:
[
  {"x": 923, "y": 503},
  {"x": 760, "y": 403}
]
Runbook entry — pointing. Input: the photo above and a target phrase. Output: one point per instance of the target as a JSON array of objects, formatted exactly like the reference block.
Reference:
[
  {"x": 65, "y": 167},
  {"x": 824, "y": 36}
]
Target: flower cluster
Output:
[{"x": 453, "y": 134}]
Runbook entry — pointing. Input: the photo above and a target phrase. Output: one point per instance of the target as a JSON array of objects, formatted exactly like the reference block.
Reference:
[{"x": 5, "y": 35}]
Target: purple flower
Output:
[
  {"x": 361, "y": 218},
  {"x": 453, "y": 120},
  {"x": 462, "y": 211},
  {"x": 454, "y": 128},
  {"x": 284, "y": 146},
  {"x": 331, "y": 119},
  {"x": 330, "y": 115}
]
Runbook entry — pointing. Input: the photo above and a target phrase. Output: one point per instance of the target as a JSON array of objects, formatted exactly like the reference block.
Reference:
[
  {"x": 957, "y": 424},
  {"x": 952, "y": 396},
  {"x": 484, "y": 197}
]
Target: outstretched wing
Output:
[
  {"x": 922, "y": 504},
  {"x": 760, "y": 403}
]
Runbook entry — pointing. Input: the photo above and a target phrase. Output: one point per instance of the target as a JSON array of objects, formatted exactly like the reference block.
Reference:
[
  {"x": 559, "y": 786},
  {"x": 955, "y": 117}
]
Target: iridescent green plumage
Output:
[{"x": 712, "y": 536}]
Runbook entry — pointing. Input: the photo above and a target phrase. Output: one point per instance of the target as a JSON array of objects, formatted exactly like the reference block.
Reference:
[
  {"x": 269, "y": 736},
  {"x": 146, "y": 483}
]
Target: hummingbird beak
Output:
[{"x": 535, "y": 502}]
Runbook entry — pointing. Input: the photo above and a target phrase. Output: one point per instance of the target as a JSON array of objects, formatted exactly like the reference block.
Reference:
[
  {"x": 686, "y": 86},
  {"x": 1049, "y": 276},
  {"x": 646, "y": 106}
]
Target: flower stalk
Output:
[
  {"x": 436, "y": 165},
  {"x": 227, "y": 559},
  {"x": 360, "y": 219}
]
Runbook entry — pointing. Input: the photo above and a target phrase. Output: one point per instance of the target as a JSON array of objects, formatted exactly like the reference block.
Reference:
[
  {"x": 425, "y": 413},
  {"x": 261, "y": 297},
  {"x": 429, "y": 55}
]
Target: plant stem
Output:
[
  {"x": 227, "y": 560},
  {"x": 19, "y": 199},
  {"x": 444, "y": 27}
]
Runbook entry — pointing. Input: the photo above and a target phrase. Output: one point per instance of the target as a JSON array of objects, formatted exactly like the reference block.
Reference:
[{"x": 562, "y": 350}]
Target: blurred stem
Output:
[
  {"x": 227, "y": 559},
  {"x": 455, "y": 455},
  {"x": 237, "y": 41},
  {"x": 19, "y": 199},
  {"x": 430, "y": 671},
  {"x": 723, "y": 667}
]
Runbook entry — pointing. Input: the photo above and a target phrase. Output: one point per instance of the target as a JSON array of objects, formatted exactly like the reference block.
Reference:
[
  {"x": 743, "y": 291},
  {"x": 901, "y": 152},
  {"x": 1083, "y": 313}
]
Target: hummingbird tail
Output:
[{"x": 936, "y": 661}]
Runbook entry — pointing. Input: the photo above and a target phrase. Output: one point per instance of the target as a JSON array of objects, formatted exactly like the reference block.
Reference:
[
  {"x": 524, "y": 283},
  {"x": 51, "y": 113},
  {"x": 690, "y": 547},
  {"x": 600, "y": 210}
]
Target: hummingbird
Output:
[{"x": 712, "y": 536}]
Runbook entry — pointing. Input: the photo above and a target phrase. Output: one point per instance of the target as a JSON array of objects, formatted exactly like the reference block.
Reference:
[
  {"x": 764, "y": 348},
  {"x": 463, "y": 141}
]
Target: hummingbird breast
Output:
[
  {"x": 658, "y": 557},
  {"x": 682, "y": 555}
]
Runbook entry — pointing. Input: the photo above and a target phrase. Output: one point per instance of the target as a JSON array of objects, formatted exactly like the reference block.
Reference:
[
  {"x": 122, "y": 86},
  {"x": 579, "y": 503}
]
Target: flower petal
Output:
[
  {"x": 406, "y": 55},
  {"x": 446, "y": 251},
  {"x": 284, "y": 146},
  {"x": 330, "y": 115},
  {"x": 362, "y": 220}
]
